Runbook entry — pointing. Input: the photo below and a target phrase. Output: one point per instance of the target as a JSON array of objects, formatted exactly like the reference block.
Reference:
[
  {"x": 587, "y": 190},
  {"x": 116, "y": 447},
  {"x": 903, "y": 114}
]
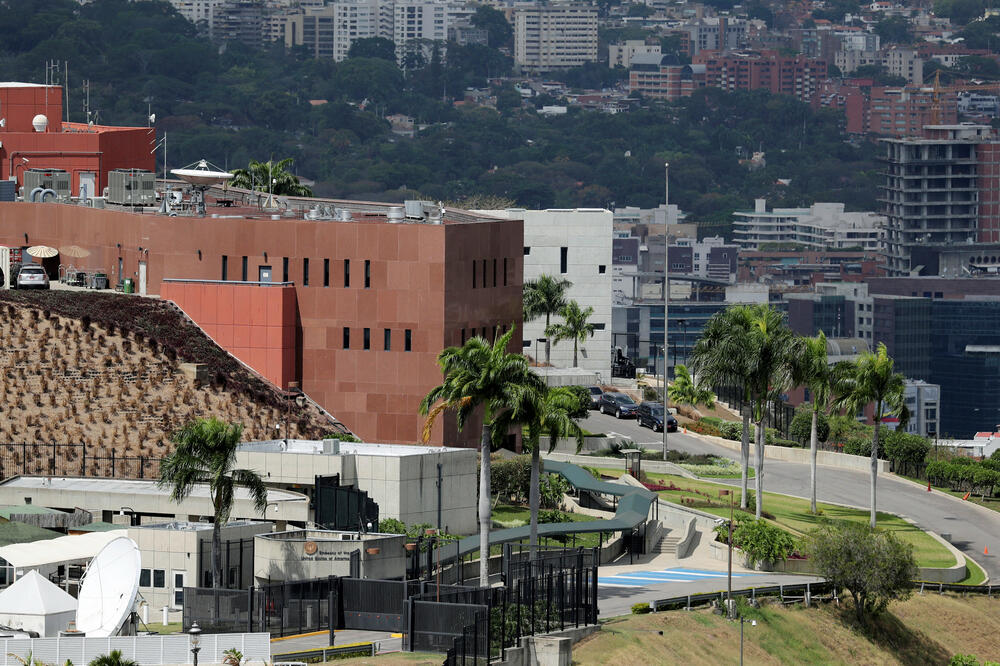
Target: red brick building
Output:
[
  {"x": 797, "y": 76},
  {"x": 87, "y": 152}
]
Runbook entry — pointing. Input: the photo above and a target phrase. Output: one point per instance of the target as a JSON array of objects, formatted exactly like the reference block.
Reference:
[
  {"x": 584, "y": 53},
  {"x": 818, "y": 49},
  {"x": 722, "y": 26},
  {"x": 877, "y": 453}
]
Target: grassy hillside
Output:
[
  {"x": 927, "y": 629},
  {"x": 104, "y": 371}
]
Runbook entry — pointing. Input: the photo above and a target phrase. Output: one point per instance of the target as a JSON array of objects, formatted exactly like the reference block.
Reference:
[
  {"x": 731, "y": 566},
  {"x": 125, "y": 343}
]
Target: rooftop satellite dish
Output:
[
  {"x": 108, "y": 589},
  {"x": 200, "y": 176}
]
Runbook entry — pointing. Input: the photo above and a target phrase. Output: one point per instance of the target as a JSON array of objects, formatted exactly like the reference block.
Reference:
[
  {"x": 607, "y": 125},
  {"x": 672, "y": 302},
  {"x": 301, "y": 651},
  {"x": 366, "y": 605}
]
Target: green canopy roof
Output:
[
  {"x": 98, "y": 526},
  {"x": 14, "y": 532},
  {"x": 25, "y": 509}
]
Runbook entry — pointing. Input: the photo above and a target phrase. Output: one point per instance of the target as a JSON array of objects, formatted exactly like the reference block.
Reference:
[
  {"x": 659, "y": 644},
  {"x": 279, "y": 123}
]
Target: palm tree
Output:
[
  {"x": 815, "y": 373},
  {"x": 575, "y": 327},
  {"x": 871, "y": 379},
  {"x": 721, "y": 357},
  {"x": 479, "y": 374},
  {"x": 113, "y": 658},
  {"x": 773, "y": 351},
  {"x": 544, "y": 296},
  {"x": 205, "y": 454},
  {"x": 269, "y": 176},
  {"x": 554, "y": 420},
  {"x": 686, "y": 391}
]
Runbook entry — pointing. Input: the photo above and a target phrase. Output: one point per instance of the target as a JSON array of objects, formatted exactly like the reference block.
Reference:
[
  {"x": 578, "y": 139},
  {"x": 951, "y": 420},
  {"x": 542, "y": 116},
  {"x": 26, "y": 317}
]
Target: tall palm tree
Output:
[
  {"x": 544, "y": 296},
  {"x": 686, "y": 391},
  {"x": 205, "y": 452},
  {"x": 553, "y": 420},
  {"x": 721, "y": 357},
  {"x": 815, "y": 373},
  {"x": 575, "y": 327},
  {"x": 259, "y": 176},
  {"x": 478, "y": 374},
  {"x": 871, "y": 380},
  {"x": 773, "y": 353}
]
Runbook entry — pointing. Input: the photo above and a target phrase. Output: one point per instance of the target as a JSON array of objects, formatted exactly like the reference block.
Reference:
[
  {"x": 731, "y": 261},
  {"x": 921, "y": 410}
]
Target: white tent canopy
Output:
[
  {"x": 61, "y": 550},
  {"x": 33, "y": 603}
]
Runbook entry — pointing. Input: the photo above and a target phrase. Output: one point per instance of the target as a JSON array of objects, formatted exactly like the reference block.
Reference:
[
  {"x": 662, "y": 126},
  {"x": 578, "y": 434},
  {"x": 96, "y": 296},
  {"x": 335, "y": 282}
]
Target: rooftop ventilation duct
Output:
[{"x": 395, "y": 214}]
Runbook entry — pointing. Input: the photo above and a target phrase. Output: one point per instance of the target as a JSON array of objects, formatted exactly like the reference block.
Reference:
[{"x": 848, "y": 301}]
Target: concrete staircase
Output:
[{"x": 667, "y": 545}]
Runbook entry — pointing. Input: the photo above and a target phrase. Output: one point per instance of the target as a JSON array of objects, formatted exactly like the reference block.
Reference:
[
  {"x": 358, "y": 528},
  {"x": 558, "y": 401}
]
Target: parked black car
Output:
[
  {"x": 650, "y": 415},
  {"x": 619, "y": 404},
  {"x": 595, "y": 396}
]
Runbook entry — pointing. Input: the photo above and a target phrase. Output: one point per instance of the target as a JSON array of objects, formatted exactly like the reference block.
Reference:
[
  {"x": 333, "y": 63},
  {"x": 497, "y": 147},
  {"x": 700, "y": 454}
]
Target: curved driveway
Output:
[{"x": 972, "y": 528}]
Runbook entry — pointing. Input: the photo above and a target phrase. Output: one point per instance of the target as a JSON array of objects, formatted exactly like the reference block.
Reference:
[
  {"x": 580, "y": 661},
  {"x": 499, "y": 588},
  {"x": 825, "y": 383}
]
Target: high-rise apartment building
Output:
[
  {"x": 797, "y": 76},
  {"x": 555, "y": 37},
  {"x": 940, "y": 189}
]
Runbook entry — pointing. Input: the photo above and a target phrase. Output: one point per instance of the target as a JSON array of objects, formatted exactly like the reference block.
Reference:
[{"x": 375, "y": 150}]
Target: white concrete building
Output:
[
  {"x": 620, "y": 55},
  {"x": 574, "y": 245},
  {"x": 822, "y": 226},
  {"x": 415, "y": 484},
  {"x": 924, "y": 402},
  {"x": 554, "y": 37},
  {"x": 175, "y": 555},
  {"x": 308, "y": 554}
]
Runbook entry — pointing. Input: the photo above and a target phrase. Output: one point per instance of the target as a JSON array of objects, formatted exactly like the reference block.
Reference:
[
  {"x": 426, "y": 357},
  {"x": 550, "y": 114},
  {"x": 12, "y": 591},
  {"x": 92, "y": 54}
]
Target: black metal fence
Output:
[
  {"x": 237, "y": 563},
  {"x": 72, "y": 460},
  {"x": 220, "y": 611},
  {"x": 779, "y": 415},
  {"x": 472, "y": 646},
  {"x": 523, "y": 561}
]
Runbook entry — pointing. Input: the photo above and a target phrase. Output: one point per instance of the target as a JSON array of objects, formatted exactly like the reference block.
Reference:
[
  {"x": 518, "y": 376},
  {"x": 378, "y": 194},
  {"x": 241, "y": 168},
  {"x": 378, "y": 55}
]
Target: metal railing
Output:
[{"x": 366, "y": 649}]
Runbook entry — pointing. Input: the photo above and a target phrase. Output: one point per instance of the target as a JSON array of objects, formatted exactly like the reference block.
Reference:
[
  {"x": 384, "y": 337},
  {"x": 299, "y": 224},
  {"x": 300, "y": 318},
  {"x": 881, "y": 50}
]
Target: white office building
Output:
[
  {"x": 620, "y": 55},
  {"x": 548, "y": 38},
  {"x": 822, "y": 226},
  {"x": 574, "y": 245},
  {"x": 923, "y": 400}
]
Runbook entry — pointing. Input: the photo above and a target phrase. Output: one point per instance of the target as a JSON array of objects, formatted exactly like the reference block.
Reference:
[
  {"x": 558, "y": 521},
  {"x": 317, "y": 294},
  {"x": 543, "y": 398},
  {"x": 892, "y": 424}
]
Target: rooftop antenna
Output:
[{"x": 201, "y": 175}]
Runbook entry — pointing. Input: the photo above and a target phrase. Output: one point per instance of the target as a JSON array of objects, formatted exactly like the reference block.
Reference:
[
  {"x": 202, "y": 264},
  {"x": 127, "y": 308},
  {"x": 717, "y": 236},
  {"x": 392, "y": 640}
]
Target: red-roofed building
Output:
[{"x": 34, "y": 136}]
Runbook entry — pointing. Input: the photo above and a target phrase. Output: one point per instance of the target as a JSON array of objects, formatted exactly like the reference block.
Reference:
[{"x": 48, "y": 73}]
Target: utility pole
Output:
[{"x": 666, "y": 295}]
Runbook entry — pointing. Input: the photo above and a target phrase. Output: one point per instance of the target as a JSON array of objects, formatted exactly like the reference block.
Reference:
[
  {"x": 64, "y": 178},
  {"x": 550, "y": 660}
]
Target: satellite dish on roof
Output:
[
  {"x": 108, "y": 589},
  {"x": 201, "y": 175}
]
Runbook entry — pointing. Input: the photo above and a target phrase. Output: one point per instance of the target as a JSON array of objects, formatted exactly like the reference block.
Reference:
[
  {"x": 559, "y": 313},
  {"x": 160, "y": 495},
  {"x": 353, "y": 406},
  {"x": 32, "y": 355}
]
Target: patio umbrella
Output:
[
  {"x": 42, "y": 251},
  {"x": 74, "y": 251}
]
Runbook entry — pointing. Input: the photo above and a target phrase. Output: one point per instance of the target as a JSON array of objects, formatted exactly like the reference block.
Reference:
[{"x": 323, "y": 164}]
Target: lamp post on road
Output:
[
  {"x": 753, "y": 623},
  {"x": 729, "y": 541},
  {"x": 195, "y": 632},
  {"x": 666, "y": 293}
]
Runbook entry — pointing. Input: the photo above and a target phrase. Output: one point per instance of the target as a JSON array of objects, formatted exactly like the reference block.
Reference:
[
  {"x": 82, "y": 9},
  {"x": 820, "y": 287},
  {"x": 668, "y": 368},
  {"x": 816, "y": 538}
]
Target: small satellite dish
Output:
[
  {"x": 108, "y": 589},
  {"x": 200, "y": 176}
]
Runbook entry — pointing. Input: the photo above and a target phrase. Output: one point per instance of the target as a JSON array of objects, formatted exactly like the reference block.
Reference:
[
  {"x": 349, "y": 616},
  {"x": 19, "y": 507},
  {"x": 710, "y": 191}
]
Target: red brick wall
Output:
[{"x": 254, "y": 323}]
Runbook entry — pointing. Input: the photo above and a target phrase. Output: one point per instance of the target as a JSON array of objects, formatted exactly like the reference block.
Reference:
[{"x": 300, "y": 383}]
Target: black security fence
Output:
[
  {"x": 237, "y": 563},
  {"x": 779, "y": 415},
  {"x": 72, "y": 460},
  {"x": 472, "y": 646}
]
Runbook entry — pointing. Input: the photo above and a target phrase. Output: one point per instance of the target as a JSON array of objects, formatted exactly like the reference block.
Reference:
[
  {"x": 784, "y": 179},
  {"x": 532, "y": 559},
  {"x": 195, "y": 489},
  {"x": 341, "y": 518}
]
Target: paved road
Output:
[{"x": 972, "y": 529}]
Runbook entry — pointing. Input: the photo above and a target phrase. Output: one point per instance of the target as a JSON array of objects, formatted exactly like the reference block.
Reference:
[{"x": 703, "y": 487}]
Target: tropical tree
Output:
[
  {"x": 721, "y": 357},
  {"x": 686, "y": 391},
  {"x": 272, "y": 177},
  {"x": 481, "y": 375},
  {"x": 554, "y": 419},
  {"x": 113, "y": 658},
  {"x": 205, "y": 453},
  {"x": 544, "y": 296},
  {"x": 813, "y": 370},
  {"x": 871, "y": 380},
  {"x": 575, "y": 327}
]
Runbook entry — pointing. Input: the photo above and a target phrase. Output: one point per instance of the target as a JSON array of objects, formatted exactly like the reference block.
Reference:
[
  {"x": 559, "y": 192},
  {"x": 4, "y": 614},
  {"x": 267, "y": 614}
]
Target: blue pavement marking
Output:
[{"x": 643, "y": 578}]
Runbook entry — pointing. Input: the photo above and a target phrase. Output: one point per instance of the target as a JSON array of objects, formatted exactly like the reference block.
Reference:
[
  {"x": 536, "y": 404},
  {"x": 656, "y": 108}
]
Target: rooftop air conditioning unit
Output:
[
  {"x": 57, "y": 180},
  {"x": 132, "y": 187}
]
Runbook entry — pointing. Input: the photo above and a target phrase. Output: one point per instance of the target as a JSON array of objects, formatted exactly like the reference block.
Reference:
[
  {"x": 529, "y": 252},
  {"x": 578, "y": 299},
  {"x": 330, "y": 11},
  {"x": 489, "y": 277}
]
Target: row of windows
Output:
[
  {"x": 477, "y": 282},
  {"x": 366, "y": 339},
  {"x": 264, "y": 271},
  {"x": 489, "y": 334}
]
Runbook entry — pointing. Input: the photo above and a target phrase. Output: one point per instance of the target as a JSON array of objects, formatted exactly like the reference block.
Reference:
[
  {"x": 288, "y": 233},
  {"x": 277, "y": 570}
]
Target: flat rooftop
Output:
[
  {"x": 325, "y": 535},
  {"x": 315, "y": 447},
  {"x": 189, "y": 526},
  {"x": 128, "y": 487}
]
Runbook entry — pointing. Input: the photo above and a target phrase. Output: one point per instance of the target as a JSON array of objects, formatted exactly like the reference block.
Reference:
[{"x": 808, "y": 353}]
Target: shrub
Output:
[
  {"x": 904, "y": 448},
  {"x": 712, "y": 421},
  {"x": 650, "y": 393},
  {"x": 801, "y": 427},
  {"x": 762, "y": 542},
  {"x": 791, "y": 443},
  {"x": 643, "y": 608},
  {"x": 391, "y": 526},
  {"x": 704, "y": 428},
  {"x": 553, "y": 516},
  {"x": 583, "y": 402},
  {"x": 551, "y": 489}
]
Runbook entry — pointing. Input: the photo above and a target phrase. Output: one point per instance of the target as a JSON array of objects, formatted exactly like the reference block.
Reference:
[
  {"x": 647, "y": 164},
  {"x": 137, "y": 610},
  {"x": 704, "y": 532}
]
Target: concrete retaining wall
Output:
[
  {"x": 553, "y": 649},
  {"x": 686, "y": 544},
  {"x": 654, "y": 466},
  {"x": 796, "y": 455}
]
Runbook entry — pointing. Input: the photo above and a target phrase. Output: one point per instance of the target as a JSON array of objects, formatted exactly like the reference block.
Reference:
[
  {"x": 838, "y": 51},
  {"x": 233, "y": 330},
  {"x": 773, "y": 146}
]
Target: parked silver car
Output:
[{"x": 32, "y": 276}]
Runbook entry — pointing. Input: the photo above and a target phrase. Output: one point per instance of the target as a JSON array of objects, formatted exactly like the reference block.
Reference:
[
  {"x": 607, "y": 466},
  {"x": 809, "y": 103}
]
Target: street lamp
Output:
[
  {"x": 666, "y": 294},
  {"x": 131, "y": 515},
  {"x": 753, "y": 623},
  {"x": 195, "y": 632},
  {"x": 729, "y": 588}
]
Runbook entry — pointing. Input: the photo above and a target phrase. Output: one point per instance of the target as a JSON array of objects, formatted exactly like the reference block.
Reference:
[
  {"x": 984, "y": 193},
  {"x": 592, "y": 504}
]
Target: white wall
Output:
[{"x": 586, "y": 232}]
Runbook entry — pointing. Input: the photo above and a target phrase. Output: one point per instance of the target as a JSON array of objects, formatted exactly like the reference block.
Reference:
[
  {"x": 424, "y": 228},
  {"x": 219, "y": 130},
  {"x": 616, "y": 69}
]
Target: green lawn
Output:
[
  {"x": 516, "y": 516},
  {"x": 793, "y": 514},
  {"x": 991, "y": 503},
  {"x": 156, "y": 627},
  {"x": 975, "y": 575}
]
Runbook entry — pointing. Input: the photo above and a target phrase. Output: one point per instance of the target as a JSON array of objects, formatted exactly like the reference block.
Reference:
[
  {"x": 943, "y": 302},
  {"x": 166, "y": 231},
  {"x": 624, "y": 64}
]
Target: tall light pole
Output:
[{"x": 666, "y": 295}]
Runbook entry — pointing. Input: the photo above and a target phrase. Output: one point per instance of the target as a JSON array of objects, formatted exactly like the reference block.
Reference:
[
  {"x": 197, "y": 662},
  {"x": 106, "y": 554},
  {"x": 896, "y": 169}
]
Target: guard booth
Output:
[
  {"x": 633, "y": 462},
  {"x": 343, "y": 508}
]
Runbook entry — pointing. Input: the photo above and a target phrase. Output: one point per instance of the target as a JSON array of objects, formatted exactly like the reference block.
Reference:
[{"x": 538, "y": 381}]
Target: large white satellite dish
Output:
[
  {"x": 108, "y": 589},
  {"x": 200, "y": 176}
]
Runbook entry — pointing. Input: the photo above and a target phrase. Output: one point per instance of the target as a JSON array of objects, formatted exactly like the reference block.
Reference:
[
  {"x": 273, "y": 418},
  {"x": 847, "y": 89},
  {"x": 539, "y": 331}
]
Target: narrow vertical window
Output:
[
  {"x": 367, "y": 342},
  {"x": 305, "y": 272},
  {"x": 387, "y": 339},
  {"x": 368, "y": 273},
  {"x": 284, "y": 269},
  {"x": 484, "y": 274},
  {"x": 463, "y": 335},
  {"x": 326, "y": 272},
  {"x": 505, "y": 271},
  {"x": 347, "y": 337},
  {"x": 407, "y": 340},
  {"x": 225, "y": 268},
  {"x": 244, "y": 270},
  {"x": 494, "y": 272},
  {"x": 347, "y": 272},
  {"x": 563, "y": 259},
  {"x": 473, "y": 273}
]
